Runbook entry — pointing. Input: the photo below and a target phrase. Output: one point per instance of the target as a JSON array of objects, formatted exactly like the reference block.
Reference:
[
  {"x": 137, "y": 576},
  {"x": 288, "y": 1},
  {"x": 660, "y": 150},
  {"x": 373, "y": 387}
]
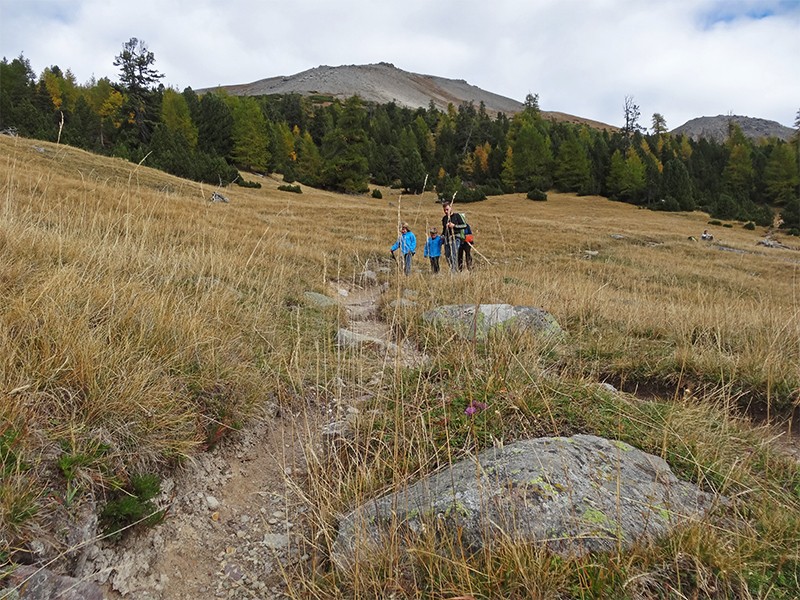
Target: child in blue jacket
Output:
[
  {"x": 407, "y": 244},
  {"x": 433, "y": 249}
]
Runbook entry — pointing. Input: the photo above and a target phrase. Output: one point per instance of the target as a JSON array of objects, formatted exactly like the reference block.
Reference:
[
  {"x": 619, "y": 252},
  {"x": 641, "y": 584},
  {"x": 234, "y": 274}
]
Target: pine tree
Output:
[
  {"x": 678, "y": 184},
  {"x": 138, "y": 78},
  {"x": 176, "y": 116},
  {"x": 781, "y": 176},
  {"x": 249, "y": 133},
  {"x": 572, "y": 171},
  {"x": 344, "y": 151}
]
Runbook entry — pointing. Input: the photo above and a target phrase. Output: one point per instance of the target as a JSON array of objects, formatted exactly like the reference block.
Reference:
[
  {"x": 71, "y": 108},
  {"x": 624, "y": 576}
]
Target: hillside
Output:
[
  {"x": 181, "y": 418},
  {"x": 716, "y": 128},
  {"x": 383, "y": 83}
]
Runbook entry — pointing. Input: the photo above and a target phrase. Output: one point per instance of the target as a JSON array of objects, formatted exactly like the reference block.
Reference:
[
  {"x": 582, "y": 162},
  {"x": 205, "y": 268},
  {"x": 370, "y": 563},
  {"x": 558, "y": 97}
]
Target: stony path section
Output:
[{"x": 234, "y": 523}]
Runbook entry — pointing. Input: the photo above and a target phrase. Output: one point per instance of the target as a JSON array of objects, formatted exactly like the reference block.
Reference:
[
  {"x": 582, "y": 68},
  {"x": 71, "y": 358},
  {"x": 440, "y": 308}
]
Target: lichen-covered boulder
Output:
[
  {"x": 574, "y": 495},
  {"x": 478, "y": 321}
]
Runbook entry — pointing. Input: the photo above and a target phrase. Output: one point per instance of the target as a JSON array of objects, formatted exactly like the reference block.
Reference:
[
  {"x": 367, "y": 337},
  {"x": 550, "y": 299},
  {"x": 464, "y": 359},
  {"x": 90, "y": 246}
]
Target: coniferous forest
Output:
[{"x": 344, "y": 146}]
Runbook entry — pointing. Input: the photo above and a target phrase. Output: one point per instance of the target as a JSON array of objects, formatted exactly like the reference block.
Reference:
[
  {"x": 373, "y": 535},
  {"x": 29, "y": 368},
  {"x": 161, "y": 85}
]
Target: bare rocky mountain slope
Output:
[
  {"x": 716, "y": 128},
  {"x": 383, "y": 83}
]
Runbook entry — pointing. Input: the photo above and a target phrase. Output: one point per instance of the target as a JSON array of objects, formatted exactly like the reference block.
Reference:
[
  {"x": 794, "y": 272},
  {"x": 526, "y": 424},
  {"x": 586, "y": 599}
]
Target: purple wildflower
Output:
[{"x": 474, "y": 407}]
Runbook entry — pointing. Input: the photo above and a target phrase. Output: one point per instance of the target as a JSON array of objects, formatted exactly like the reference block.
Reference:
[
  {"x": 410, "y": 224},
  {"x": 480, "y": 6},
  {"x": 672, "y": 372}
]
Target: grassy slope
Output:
[{"x": 141, "y": 323}]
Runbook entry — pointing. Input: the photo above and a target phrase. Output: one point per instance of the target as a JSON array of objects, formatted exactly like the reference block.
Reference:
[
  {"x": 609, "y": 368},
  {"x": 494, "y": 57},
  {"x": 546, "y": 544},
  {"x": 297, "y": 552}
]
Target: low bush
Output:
[
  {"x": 537, "y": 195},
  {"x": 376, "y": 193},
  {"x": 248, "y": 184},
  {"x": 290, "y": 188}
]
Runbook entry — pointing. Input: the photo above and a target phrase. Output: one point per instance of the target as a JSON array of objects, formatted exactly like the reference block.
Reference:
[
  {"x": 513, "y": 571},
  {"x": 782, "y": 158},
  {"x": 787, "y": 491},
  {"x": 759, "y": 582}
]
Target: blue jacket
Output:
[
  {"x": 433, "y": 247},
  {"x": 407, "y": 243}
]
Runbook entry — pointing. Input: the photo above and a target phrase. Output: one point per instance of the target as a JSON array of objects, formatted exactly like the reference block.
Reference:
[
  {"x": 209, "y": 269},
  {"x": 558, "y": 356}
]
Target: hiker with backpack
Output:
[
  {"x": 457, "y": 249},
  {"x": 407, "y": 244}
]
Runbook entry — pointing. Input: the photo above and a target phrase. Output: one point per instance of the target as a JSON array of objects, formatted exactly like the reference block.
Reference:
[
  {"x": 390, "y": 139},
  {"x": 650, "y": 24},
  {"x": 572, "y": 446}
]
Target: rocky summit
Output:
[{"x": 716, "y": 128}]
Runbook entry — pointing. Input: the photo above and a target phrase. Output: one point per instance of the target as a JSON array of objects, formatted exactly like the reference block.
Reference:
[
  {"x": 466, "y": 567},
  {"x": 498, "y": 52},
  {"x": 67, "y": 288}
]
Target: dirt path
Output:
[{"x": 235, "y": 522}]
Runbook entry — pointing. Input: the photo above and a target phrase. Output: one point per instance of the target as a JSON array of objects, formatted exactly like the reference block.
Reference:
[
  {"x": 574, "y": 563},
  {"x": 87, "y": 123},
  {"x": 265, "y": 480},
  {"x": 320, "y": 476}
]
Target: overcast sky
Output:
[{"x": 680, "y": 58}]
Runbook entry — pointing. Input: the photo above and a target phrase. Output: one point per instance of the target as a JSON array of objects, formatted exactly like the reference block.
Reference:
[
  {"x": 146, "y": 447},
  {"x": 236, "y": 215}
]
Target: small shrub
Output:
[
  {"x": 133, "y": 506},
  {"x": 728, "y": 225},
  {"x": 750, "y": 226},
  {"x": 248, "y": 184},
  {"x": 290, "y": 188},
  {"x": 537, "y": 195},
  {"x": 714, "y": 222},
  {"x": 376, "y": 193}
]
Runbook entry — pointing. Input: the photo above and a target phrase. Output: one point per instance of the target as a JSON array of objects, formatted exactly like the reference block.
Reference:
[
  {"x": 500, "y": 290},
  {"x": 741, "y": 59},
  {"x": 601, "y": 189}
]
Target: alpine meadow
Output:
[
  {"x": 218, "y": 381},
  {"x": 144, "y": 325}
]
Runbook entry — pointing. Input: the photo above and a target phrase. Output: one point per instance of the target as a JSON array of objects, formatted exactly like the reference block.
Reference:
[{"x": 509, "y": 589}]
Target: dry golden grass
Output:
[{"x": 141, "y": 323}]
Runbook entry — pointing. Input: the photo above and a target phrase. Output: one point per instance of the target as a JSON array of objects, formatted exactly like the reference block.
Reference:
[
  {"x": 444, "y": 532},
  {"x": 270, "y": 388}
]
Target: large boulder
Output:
[
  {"x": 477, "y": 321},
  {"x": 574, "y": 495}
]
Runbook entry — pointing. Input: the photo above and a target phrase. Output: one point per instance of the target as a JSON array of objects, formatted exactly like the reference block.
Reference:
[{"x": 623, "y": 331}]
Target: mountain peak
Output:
[
  {"x": 383, "y": 82},
  {"x": 716, "y": 128}
]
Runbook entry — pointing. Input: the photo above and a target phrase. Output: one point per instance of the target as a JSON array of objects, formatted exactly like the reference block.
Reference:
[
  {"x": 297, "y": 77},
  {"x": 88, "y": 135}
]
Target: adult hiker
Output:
[
  {"x": 407, "y": 244},
  {"x": 453, "y": 226},
  {"x": 433, "y": 249}
]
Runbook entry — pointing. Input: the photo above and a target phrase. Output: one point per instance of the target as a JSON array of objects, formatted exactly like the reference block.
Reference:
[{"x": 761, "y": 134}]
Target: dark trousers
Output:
[
  {"x": 434, "y": 264},
  {"x": 464, "y": 256},
  {"x": 451, "y": 251}
]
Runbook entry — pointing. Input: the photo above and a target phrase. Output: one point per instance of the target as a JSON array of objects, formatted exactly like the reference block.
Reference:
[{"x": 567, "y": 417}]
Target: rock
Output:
[
  {"x": 573, "y": 495},
  {"x": 770, "y": 243},
  {"x": 350, "y": 340},
  {"x": 275, "y": 541},
  {"x": 212, "y": 503},
  {"x": 319, "y": 300},
  {"x": 479, "y": 321},
  {"x": 402, "y": 303},
  {"x": 369, "y": 277},
  {"x": 30, "y": 583}
]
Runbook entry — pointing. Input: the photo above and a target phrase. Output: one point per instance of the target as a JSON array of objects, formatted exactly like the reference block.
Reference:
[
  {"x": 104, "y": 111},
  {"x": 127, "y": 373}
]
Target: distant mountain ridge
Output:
[
  {"x": 383, "y": 83},
  {"x": 716, "y": 128}
]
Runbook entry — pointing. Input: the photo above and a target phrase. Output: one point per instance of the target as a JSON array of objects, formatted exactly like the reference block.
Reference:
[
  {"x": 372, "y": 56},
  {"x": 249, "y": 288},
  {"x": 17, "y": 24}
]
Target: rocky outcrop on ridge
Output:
[{"x": 716, "y": 128}]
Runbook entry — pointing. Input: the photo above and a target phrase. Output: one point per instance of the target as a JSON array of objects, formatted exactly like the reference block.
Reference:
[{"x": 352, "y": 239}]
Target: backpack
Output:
[{"x": 468, "y": 236}]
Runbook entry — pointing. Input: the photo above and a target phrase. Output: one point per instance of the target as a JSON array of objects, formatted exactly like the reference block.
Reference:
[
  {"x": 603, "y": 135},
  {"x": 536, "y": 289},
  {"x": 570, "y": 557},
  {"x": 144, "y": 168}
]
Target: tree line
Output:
[{"x": 346, "y": 145}]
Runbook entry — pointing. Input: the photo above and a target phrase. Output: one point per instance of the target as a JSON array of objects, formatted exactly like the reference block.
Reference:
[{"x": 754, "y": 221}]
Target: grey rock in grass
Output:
[
  {"x": 478, "y": 321},
  {"x": 29, "y": 583},
  {"x": 319, "y": 300},
  {"x": 402, "y": 303},
  {"x": 573, "y": 495},
  {"x": 351, "y": 340}
]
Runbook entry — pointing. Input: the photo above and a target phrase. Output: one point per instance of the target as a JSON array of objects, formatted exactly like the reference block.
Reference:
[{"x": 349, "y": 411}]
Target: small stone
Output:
[{"x": 212, "y": 503}]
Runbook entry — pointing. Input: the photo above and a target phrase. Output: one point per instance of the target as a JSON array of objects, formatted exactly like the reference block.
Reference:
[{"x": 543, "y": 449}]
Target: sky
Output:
[{"x": 679, "y": 58}]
